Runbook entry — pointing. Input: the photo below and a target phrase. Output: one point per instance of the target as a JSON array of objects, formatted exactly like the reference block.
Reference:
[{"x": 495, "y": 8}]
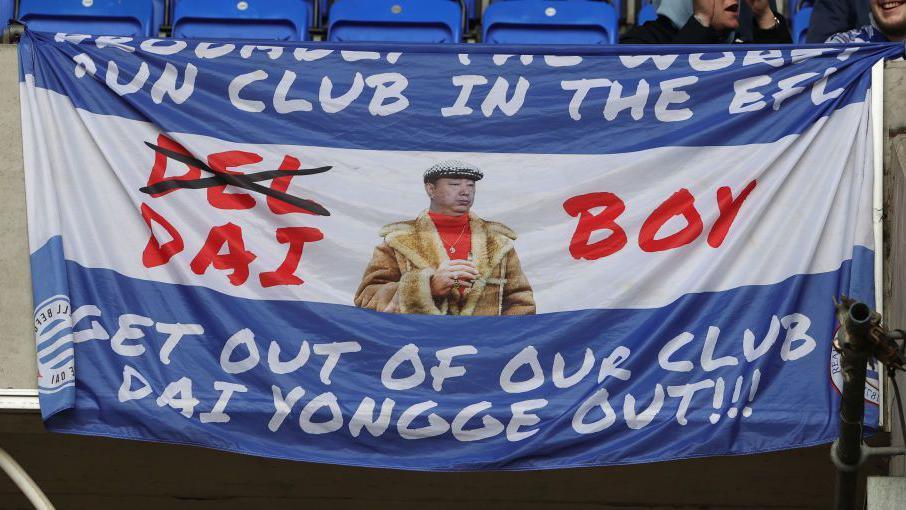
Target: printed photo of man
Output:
[{"x": 447, "y": 261}]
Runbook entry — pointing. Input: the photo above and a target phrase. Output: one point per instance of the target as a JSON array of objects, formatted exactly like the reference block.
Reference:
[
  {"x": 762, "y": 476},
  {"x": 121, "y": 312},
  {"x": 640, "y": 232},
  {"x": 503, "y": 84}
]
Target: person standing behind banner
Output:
[
  {"x": 447, "y": 261},
  {"x": 889, "y": 25},
  {"x": 832, "y": 16},
  {"x": 711, "y": 22}
]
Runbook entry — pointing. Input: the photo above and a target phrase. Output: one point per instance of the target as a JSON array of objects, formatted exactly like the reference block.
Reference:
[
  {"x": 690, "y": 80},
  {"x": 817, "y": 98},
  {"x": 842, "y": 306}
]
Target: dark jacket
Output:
[
  {"x": 662, "y": 31},
  {"x": 832, "y": 16}
]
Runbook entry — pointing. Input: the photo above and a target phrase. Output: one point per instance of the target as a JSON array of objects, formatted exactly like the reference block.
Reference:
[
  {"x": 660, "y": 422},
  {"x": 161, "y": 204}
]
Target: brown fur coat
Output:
[{"x": 398, "y": 277}]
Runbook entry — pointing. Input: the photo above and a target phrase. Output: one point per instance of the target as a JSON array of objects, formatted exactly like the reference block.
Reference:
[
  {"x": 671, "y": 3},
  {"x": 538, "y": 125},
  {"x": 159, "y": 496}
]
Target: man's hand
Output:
[
  {"x": 394, "y": 305},
  {"x": 459, "y": 272},
  {"x": 764, "y": 16},
  {"x": 703, "y": 11}
]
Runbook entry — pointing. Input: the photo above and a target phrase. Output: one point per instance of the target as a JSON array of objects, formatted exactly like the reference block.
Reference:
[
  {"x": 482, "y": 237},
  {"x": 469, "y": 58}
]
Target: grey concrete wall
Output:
[
  {"x": 17, "y": 352},
  {"x": 895, "y": 228},
  {"x": 99, "y": 473},
  {"x": 886, "y": 493}
]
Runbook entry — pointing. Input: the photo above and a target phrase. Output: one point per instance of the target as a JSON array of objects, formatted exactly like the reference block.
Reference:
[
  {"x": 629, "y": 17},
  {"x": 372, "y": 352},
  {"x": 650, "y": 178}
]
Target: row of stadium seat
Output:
[{"x": 436, "y": 21}]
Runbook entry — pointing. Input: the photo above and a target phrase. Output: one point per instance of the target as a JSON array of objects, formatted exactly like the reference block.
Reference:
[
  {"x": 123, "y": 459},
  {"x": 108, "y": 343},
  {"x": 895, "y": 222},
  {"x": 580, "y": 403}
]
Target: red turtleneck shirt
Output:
[{"x": 455, "y": 233}]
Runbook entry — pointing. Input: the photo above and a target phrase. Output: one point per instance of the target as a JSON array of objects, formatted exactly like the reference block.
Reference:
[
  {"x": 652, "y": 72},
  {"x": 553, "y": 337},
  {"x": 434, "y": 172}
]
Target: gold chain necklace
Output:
[{"x": 461, "y": 232}]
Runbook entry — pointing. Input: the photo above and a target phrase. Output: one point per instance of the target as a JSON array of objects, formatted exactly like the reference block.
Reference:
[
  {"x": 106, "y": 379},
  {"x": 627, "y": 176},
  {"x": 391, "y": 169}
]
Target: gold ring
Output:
[{"x": 455, "y": 283}]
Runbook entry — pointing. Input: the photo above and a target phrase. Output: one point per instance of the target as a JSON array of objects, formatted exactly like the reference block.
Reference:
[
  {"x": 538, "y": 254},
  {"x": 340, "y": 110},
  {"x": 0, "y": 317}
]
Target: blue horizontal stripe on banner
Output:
[
  {"x": 543, "y": 124},
  {"x": 794, "y": 404}
]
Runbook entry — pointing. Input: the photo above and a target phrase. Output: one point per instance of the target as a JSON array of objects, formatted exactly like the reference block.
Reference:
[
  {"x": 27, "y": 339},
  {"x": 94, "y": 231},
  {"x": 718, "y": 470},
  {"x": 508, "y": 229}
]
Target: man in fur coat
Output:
[{"x": 447, "y": 261}]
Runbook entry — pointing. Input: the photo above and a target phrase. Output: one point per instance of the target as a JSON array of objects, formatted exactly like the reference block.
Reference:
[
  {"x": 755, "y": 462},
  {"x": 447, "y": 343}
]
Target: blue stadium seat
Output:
[
  {"x": 160, "y": 8},
  {"x": 7, "y": 11},
  {"x": 281, "y": 20},
  {"x": 97, "y": 17},
  {"x": 617, "y": 4},
  {"x": 647, "y": 13},
  {"x": 324, "y": 5},
  {"x": 550, "y": 22},
  {"x": 801, "y": 22},
  {"x": 472, "y": 8},
  {"x": 794, "y": 6},
  {"x": 427, "y": 21}
]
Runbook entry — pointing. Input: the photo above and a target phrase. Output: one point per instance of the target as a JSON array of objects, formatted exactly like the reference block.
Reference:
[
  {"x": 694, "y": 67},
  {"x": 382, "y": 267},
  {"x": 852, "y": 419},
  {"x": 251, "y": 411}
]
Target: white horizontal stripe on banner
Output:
[{"x": 96, "y": 171}]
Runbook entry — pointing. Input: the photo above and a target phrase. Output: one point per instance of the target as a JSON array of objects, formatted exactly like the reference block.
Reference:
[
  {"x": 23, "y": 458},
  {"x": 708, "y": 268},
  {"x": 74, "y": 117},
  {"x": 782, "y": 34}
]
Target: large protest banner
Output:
[{"x": 231, "y": 248}]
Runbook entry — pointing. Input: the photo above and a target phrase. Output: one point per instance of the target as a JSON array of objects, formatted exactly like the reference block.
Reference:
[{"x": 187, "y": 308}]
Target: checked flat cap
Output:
[{"x": 453, "y": 168}]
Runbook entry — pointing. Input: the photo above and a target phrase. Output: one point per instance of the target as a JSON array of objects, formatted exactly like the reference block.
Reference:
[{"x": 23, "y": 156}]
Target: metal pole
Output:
[
  {"x": 24, "y": 482},
  {"x": 848, "y": 447}
]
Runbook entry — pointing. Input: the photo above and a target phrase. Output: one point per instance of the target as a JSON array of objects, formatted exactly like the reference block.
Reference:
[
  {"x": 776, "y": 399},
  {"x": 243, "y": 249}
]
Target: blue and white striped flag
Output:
[{"x": 232, "y": 246}]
